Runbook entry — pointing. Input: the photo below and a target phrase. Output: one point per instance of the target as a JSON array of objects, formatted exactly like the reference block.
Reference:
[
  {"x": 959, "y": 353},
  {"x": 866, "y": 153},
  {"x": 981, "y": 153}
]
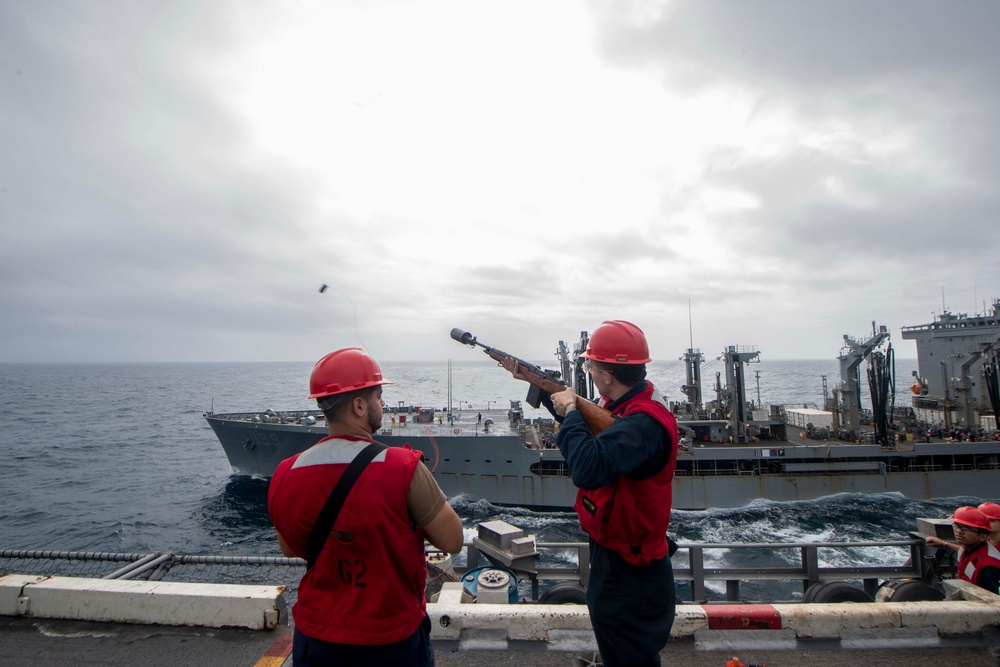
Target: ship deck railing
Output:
[
  {"x": 695, "y": 571},
  {"x": 279, "y": 416},
  {"x": 690, "y": 565},
  {"x": 718, "y": 472},
  {"x": 766, "y": 472},
  {"x": 153, "y": 566}
]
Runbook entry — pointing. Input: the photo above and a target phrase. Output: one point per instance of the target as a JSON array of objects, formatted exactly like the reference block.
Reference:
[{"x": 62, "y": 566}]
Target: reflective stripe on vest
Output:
[
  {"x": 971, "y": 562},
  {"x": 367, "y": 586}
]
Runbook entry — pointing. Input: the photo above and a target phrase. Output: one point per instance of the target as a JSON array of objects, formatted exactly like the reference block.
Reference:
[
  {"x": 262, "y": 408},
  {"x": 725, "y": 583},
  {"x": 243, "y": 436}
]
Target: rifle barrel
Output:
[{"x": 596, "y": 417}]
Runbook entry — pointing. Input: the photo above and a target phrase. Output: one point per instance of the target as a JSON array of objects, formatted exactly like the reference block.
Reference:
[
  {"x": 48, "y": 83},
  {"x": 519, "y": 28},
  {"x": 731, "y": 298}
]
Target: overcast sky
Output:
[{"x": 177, "y": 179}]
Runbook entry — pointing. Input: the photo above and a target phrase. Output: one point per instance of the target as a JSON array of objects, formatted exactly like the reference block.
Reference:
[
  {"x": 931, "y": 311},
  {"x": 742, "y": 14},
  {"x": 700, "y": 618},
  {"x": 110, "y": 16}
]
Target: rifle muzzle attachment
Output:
[{"x": 463, "y": 337}]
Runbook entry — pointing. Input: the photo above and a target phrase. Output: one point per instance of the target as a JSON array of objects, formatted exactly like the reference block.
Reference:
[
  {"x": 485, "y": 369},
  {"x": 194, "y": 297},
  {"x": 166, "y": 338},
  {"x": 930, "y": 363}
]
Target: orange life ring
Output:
[
  {"x": 470, "y": 406},
  {"x": 455, "y": 431}
]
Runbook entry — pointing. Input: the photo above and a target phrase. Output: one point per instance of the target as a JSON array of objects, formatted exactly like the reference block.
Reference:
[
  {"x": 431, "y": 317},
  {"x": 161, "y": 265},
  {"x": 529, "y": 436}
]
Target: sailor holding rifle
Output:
[{"x": 623, "y": 476}]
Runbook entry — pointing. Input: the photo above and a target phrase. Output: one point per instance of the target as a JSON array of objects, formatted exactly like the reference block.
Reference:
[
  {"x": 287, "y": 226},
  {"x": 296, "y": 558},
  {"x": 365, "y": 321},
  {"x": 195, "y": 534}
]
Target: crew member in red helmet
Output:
[
  {"x": 992, "y": 512},
  {"x": 978, "y": 560},
  {"x": 362, "y": 601},
  {"x": 623, "y": 476}
]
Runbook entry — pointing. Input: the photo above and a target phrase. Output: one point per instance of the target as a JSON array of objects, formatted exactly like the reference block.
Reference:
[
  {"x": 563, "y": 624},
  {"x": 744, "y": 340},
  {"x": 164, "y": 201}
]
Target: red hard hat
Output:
[
  {"x": 971, "y": 517},
  {"x": 991, "y": 510},
  {"x": 618, "y": 342},
  {"x": 342, "y": 371}
]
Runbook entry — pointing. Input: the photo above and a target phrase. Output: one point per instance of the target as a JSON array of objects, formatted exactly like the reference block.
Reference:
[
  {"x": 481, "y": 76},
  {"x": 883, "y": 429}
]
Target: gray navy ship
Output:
[{"x": 732, "y": 450}]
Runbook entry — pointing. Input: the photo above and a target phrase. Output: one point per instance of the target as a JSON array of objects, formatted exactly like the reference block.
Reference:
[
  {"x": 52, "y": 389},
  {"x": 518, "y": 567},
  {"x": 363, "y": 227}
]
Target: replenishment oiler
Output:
[{"x": 732, "y": 451}]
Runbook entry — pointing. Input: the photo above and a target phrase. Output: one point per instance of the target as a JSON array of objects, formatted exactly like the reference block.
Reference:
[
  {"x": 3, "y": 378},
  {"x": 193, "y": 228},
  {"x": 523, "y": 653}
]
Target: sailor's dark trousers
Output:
[
  {"x": 631, "y": 608},
  {"x": 414, "y": 651}
]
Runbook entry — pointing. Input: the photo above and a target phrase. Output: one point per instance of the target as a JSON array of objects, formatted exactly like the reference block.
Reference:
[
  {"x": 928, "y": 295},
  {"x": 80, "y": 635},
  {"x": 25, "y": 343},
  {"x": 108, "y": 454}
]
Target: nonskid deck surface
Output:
[
  {"x": 30, "y": 642},
  {"x": 497, "y": 635}
]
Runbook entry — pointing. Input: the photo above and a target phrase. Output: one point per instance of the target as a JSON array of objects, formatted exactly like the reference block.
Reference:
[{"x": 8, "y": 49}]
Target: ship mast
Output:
[{"x": 692, "y": 366}]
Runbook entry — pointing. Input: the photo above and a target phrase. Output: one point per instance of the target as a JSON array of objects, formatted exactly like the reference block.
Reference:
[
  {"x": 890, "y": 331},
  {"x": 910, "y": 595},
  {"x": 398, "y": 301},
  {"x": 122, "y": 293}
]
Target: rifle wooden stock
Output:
[{"x": 596, "y": 417}]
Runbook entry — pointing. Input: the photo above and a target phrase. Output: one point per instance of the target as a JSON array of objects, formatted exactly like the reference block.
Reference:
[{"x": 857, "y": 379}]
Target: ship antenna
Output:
[{"x": 690, "y": 327}]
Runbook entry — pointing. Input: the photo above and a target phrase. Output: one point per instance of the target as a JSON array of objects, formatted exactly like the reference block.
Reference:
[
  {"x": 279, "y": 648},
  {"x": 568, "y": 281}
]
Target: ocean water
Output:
[{"x": 118, "y": 457}]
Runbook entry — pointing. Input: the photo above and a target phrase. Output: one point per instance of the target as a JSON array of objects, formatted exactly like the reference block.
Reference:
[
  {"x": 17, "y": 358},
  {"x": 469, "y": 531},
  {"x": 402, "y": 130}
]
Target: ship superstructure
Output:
[{"x": 956, "y": 359}]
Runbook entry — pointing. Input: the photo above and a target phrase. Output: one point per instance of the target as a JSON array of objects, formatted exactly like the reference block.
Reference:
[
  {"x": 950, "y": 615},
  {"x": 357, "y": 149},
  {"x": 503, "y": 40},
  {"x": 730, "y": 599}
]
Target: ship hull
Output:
[
  {"x": 501, "y": 470},
  {"x": 705, "y": 492},
  {"x": 497, "y": 468}
]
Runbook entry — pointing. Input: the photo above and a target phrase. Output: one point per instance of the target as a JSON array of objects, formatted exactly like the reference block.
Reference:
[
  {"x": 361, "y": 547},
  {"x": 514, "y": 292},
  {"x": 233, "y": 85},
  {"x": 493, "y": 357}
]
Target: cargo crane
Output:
[
  {"x": 851, "y": 355},
  {"x": 734, "y": 396}
]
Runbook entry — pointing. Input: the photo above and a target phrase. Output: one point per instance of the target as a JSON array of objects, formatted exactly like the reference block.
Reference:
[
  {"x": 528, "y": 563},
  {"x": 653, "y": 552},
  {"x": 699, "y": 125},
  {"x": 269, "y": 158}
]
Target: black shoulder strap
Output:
[{"x": 328, "y": 515}]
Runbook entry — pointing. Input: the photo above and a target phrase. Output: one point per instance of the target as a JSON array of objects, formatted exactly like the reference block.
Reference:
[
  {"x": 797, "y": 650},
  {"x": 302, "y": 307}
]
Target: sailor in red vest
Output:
[
  {"x": 623, "y": 477},
  {"x": 978, "y": 560},
  {"x": 361, "y": 600}
]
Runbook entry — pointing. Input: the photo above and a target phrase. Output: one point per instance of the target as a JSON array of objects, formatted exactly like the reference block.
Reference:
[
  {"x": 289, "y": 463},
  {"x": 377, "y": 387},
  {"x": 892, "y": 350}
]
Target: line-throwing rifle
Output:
[{"x": 596, "y": 417}]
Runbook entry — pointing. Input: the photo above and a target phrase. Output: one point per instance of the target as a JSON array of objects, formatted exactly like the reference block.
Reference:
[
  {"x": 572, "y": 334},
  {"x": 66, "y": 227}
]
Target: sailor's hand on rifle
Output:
[
  {"x": 514, "y": 368},
  {"x": 564, "y": 401}
]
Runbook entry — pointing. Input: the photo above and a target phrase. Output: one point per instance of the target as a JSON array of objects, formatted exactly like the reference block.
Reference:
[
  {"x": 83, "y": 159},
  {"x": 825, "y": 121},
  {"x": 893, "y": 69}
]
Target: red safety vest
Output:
[
  {"x": 627, "y": 516},
  {"x": 972, "y": 561},
  {"x": 369, "y": 590}
]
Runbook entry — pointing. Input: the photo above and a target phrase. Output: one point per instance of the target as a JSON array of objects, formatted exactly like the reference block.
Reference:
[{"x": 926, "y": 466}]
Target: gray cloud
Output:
[
  {"x": 813, "y": 46},
  {"x": 140, "y": 219},
  {"x": 925, "y": 70}
]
